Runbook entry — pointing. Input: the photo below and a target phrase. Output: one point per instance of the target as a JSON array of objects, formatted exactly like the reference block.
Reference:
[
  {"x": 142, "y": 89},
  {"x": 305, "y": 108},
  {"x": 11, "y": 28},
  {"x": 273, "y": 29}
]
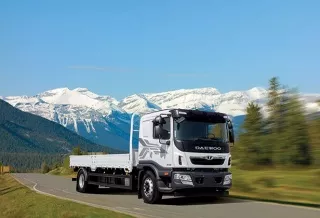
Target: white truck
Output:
[{"x": 180, "y": 152}]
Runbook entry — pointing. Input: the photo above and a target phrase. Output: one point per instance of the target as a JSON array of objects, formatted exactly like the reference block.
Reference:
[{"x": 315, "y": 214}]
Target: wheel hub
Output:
[
  {"x": 148, "y": 187},
  {"x": 81, "y": 181}
]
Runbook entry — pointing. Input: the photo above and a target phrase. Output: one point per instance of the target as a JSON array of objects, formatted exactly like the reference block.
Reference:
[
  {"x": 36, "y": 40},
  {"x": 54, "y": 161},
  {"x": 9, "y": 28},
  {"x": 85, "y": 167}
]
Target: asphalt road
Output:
[{"x": 128, "y": 202}]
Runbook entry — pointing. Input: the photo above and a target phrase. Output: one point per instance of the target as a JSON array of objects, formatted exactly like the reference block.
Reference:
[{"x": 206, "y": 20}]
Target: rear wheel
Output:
[
  {"x": 149, "y": 189},
  {"x": 82, "y": 182}
]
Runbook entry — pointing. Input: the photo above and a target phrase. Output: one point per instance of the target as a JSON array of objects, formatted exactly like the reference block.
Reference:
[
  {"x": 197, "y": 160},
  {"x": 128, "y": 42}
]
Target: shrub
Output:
[
  {"x": 241, "y": 185},
  {"x": 44, "y": 168},
  {"x": 268, "y": 182}
]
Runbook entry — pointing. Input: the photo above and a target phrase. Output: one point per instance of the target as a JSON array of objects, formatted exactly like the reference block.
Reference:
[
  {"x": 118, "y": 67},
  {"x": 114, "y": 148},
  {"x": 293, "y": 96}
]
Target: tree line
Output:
[
  {"x": 65, "y": 161},
  {"x": 283, "y": 135},
  {"x": 29, "y": 162},
  {"x": 23, "y": 162}
]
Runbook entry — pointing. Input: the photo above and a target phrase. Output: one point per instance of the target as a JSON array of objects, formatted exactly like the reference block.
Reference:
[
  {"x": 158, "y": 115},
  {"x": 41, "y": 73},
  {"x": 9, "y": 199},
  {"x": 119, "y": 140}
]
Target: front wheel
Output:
[{"x": 150, "y": 192}]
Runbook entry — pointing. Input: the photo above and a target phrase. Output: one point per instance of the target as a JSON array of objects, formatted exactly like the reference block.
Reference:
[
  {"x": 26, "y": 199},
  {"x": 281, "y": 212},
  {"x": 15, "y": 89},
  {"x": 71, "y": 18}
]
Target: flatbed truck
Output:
[{"x": 180, "y": 152}]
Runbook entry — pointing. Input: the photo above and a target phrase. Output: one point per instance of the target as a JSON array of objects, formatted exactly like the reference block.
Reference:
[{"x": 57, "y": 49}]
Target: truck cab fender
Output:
[
  {"x": 157, "y": 170},
  {"x": 142, "y": 169}
]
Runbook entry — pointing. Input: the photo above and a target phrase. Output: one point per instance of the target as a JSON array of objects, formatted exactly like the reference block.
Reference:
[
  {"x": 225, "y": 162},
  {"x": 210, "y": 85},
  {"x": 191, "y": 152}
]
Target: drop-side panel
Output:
[{"x": 101, "y": 161}]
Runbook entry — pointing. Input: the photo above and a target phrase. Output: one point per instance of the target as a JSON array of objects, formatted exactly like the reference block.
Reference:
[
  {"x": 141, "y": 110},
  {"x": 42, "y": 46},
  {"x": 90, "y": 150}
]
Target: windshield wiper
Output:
[
  {"x": 207, "y": 139},
  {"x": 203, "y": 138}
]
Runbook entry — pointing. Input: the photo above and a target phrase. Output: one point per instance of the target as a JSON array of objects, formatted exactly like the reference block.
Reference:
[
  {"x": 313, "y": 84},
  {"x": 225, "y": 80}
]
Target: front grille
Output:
[
  {"x": 202, "y": 161},
  {"x": 199, "y": 180},
  {"x": 218, "y": 179},
  {"x": 202, "y": 170}
]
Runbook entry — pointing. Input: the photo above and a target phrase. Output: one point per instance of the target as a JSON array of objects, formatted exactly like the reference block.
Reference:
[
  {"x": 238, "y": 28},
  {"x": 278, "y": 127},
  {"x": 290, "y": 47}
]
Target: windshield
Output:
[{"x": 193, "y": 130}]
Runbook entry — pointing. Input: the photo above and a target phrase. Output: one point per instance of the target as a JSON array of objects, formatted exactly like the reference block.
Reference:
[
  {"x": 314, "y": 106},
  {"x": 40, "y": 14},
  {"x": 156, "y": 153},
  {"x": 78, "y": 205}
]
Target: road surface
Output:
[{"x": 127, "y": 202}]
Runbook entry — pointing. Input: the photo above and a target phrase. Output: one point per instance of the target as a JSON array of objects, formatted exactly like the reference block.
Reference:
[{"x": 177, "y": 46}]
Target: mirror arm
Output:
[
  {"x": 160, "y": 139},
  {"x": 166, "y": 143}
]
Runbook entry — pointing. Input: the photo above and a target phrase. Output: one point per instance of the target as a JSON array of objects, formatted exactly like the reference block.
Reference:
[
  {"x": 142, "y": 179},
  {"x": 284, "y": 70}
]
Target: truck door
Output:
[{"x": 151, "y": 150}]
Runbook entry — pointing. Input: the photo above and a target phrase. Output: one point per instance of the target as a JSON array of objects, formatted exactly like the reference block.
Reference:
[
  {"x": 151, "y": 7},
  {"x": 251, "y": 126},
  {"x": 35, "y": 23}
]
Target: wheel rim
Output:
[
  {"x": 148, "y": 188},
  {"x": 81, "y": 181}
]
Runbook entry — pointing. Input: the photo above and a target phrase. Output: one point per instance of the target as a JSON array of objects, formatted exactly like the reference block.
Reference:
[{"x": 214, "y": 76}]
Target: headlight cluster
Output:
[
  {"x": 227, "y": 179},
  {"x": 184, "y": 179}
]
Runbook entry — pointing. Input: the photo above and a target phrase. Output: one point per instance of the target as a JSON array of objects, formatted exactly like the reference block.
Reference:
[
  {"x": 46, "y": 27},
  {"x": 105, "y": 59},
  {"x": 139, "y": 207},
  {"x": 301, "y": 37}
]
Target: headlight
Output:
[
  {"x": 184, "y": 179},
  {"x": 227, "y": 179}
]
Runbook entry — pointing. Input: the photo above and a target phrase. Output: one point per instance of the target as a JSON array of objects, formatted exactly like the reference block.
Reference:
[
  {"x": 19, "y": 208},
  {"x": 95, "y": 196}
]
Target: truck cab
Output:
[
  {"x": 188, "y": 151},
  {"x": 180, "y": 152}
]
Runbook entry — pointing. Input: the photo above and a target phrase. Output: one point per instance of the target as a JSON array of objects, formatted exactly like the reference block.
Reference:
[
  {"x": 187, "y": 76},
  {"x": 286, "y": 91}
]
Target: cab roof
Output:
[{"x": 191, "y": 112}]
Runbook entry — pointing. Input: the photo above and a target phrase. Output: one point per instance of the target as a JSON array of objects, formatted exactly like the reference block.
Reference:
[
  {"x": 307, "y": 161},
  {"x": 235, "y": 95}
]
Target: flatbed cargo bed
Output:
[{"x": 111, "y": 161}]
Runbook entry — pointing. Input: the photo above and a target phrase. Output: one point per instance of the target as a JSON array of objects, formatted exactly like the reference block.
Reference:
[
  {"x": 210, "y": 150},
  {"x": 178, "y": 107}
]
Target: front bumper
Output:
[{"x": 198, "y": 183}]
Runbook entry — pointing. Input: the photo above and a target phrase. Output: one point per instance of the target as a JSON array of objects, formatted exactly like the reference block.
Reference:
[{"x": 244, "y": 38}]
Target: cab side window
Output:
[{"x": 166, "y": 128}]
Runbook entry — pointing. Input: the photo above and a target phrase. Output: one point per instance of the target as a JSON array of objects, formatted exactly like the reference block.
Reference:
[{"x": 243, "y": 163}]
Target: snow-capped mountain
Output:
[
  {"x": 138, "y": 104},
  {"x": 95, "y": 117},
  {"x": 234, "y": 103},
  {"x": 105, "y": 120}
]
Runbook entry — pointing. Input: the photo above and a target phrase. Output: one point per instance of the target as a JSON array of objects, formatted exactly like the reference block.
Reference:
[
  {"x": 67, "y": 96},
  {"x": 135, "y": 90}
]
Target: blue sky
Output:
[{"x": 124, "y": 47}]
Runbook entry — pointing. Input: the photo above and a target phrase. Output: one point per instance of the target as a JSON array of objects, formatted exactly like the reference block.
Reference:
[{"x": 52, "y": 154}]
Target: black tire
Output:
[
  {"x": 82, "y": 183},
  {"x": 149, "y": 189}
]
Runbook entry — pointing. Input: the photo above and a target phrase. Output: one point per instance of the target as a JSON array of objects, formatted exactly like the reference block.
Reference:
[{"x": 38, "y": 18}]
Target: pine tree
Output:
[
  {"x": 297, "y": 141},
  {"x": 277, "y": 107},
  {"x": 251, "y": 141},
  {"x": 273, "y": 103},
  {"x": 279, "y": 134},
  {"x": 44, "y": 168},
  {"x": 76, "y": 151}
]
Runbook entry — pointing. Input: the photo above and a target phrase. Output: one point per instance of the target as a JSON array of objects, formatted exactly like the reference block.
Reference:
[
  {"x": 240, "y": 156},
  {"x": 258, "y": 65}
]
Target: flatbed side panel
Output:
[
  {"x": 101, "y": 161},
  {"x": 80, "y": 160}
]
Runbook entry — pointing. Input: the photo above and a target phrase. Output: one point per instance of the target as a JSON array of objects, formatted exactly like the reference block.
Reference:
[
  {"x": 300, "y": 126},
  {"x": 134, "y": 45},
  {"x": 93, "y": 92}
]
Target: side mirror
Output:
[
  {"x": 230, "y": 126},
  {"x": 162, "y": 134},
  {"x": 158, "y": 131},
  {"x": 231, "y": 135},
  {"x": 159, "y": 120},
  {"x": 230, "y": 131}
]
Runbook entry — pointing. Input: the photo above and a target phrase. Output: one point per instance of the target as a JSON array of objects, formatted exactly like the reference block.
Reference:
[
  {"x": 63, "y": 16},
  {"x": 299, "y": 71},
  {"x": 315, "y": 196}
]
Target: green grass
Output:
[
  {"x": 288, "y": 185},
  {"x": 19, "y": 201},
  {"x": 62, "y": 171}
]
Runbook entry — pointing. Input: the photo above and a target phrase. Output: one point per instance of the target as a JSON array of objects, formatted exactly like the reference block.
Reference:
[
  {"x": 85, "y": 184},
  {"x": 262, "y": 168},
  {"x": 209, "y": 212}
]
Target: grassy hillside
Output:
[
  {"x": 27, "y": 139},
  {"x": 19, "y": 201},
  {"x": 294, "y": 185}
]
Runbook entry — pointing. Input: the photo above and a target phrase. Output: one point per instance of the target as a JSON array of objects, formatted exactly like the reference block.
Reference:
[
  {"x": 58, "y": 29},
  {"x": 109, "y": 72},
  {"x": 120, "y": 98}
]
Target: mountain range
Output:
[
  {"x": 105, "y": 120},
  {"x": 23, "y": 132}
]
